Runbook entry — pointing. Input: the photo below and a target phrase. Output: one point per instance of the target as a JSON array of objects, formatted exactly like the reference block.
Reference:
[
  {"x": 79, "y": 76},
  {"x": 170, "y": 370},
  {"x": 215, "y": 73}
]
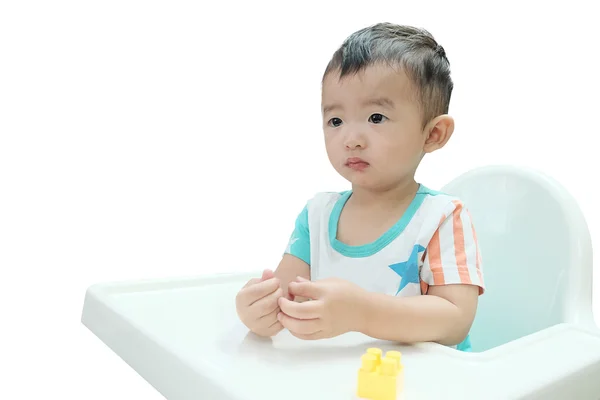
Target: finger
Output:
[
  {"x": 304, "y": 289},
  {"x": 267, "y": 274},
  {"x": 269, "y": 318},
  {"x": 269, "y": 330},
  {"x": 299, "y": 326},
  {"x": 275, "y": 328},
  {"x": 265, "y": 305},
  {"x": 305, "y": 310},
  {"x": 270, "y": 325},
  {"x": 290, "y": 296},
  {"x": 312, "y": 336},
  {"x": 255, "y": 292},
  {"x": 251, "y": 282}
]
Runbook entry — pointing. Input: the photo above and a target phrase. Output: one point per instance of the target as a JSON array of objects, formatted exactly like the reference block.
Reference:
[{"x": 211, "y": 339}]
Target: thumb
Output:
[
  {"x": 267, "y": 274},
  {"x": 298, "y": 279},
  {"x": 304, "y": 288}
]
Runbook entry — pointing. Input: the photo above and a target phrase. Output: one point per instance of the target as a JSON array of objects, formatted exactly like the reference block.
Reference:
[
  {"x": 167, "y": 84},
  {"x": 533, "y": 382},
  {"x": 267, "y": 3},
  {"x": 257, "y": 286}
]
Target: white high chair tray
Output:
[{"x": 184, "y": 338}]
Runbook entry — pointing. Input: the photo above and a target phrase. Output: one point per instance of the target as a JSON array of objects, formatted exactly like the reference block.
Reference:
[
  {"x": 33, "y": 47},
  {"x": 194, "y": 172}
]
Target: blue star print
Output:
[{"x": 408, "y": 270}]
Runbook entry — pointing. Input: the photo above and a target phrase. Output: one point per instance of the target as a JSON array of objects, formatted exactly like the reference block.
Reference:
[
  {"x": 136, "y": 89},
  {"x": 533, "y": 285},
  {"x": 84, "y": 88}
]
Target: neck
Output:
[{"x": 391, "y": 197}]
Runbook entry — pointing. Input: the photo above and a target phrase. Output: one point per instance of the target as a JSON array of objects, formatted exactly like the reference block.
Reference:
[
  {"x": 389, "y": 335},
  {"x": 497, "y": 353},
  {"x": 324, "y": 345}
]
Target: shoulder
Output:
[
  {"x": 325, "y": 200},
  {"x": 330, "y": 195},
  {"x": 317, "y": 205},
  {"x": 438, "y": 207}
]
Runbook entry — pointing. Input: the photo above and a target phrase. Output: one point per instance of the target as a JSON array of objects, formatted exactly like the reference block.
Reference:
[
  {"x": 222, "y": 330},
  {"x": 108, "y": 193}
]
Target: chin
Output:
[
  {"x": 371, "y": 183},
  {"x": 364, "y": 182}
]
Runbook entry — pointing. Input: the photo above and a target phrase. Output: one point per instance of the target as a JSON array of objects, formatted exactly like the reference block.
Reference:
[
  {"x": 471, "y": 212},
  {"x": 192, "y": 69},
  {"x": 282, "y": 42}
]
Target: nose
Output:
[{"x": 354, "y": 138}]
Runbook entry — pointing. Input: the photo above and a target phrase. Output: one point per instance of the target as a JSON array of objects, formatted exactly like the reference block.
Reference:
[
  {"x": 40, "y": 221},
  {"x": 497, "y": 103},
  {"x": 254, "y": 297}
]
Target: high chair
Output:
[
  {"x": 536, "y": 251},
  {"x": 534, "y": 336}
]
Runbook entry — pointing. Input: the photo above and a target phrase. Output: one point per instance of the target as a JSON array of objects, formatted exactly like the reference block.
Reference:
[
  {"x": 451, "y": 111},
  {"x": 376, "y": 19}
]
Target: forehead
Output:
[{"x": 374, "y": 82}]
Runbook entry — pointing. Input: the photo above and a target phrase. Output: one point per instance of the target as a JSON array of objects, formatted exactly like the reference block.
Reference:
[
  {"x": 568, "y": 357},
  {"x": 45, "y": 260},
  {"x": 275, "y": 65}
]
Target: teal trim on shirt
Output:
[
  {"x": 369, "y": 249},
  {"x": 432, "y": 192},
  {"x": 465, "y": 345}
]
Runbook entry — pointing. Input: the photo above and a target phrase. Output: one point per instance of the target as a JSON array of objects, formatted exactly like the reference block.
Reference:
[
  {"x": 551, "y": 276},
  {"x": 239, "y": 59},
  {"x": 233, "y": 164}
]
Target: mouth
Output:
[{"x": 356, "y": 163}]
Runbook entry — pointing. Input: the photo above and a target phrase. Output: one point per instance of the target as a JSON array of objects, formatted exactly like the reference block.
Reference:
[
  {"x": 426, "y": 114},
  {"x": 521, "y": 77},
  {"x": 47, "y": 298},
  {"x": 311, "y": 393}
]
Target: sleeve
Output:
[
  {"x": 299, "y": 243},
  {"x": 452, "y": 255}
]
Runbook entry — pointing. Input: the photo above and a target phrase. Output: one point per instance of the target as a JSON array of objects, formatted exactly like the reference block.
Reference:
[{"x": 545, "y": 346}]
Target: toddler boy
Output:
[{"x": 390, "y": 257}]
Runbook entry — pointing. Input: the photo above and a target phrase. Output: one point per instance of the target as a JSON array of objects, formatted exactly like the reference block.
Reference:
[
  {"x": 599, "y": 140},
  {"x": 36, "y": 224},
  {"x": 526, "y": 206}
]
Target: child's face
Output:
[{"x": 372, "y": 117}]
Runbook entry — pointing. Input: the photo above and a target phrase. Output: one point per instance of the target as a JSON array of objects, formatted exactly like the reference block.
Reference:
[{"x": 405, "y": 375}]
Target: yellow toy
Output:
[{"x": 380, "y": 378}]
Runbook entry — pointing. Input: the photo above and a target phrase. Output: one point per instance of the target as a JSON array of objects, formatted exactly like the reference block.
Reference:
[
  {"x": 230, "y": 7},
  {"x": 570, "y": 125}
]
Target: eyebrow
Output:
[{"x": 379, "y": 101}]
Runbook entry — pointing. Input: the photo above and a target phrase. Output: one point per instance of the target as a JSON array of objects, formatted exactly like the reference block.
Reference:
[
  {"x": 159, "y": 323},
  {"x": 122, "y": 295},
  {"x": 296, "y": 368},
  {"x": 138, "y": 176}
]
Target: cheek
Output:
[
  {"x": 332, "y": 141},
  {"x": 403, "y": 153},
  {"x": 331, "y": 148}
]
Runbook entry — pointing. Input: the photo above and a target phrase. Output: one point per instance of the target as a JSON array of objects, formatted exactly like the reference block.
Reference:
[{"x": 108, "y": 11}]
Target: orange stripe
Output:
[
  {"x": 478, "y": 263},
  {"x": 424, "y": 287},
  {"x": 435, "y": 257},
  {"x": 459, "y": 244}
]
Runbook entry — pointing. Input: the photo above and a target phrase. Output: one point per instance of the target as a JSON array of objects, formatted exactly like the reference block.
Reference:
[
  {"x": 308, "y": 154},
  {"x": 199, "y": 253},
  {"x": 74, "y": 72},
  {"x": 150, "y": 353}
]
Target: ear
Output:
[{"x": 438, "y": 132}]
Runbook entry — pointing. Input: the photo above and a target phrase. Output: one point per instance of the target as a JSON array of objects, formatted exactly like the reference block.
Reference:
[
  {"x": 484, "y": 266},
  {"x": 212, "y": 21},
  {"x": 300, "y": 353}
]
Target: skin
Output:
[{"x": 373, "y": 115}]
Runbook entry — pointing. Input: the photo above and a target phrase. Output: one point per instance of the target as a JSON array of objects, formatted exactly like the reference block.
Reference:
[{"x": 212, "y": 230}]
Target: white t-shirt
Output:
[{"x": 433, "y": 243}]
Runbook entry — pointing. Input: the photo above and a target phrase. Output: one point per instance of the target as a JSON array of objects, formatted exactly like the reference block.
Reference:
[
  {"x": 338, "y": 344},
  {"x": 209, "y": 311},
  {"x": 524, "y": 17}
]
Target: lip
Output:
[
  {"x": 357, "y": 164},
  {"x": 355, "y": 160}
]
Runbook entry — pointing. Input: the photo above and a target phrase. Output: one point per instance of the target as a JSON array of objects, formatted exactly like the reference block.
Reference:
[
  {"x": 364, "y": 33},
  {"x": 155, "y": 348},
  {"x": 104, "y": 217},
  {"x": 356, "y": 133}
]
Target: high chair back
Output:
[{"x": 536, "y": 253}]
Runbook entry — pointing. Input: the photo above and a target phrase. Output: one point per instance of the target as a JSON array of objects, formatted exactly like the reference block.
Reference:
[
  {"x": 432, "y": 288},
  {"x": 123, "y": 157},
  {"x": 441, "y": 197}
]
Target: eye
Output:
[
  {"x": 335, "y": 122},
  {"x": 377, "y": 118}
]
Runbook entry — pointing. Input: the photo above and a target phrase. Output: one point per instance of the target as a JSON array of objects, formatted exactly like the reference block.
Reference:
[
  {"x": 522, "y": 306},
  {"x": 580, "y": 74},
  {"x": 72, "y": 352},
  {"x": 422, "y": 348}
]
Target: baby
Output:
[{"x": 389, "y": 258}]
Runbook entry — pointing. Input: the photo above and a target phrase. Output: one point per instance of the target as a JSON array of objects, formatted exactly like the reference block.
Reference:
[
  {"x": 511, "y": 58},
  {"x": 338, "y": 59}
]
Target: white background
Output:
[{"x": 147, "y": 139}]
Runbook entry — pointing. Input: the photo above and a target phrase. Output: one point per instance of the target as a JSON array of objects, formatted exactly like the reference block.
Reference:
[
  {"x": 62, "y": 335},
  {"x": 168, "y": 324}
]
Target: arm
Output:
[
  {"x": 453, "y": 281},
  {"x": 289, "y": 268},
  {"x": 296, "y": 258},
  {"x": 257, "y": 302},
  {"x": 444, "y": 315}
]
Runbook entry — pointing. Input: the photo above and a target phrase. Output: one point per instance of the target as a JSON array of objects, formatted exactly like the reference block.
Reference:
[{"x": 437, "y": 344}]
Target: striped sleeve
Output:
[{"x": 452, "y": 255}]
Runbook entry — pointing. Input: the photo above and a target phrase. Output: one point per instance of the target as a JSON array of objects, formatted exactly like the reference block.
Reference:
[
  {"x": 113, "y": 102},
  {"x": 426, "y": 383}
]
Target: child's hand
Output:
[
  {"x": 256, "y": 304},
  {"x": 334, "y": 308}
]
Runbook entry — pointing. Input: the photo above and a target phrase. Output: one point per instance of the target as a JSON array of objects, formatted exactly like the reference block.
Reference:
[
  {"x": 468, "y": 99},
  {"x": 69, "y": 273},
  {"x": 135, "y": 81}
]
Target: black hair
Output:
[{"x": 412, "y": 49}]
